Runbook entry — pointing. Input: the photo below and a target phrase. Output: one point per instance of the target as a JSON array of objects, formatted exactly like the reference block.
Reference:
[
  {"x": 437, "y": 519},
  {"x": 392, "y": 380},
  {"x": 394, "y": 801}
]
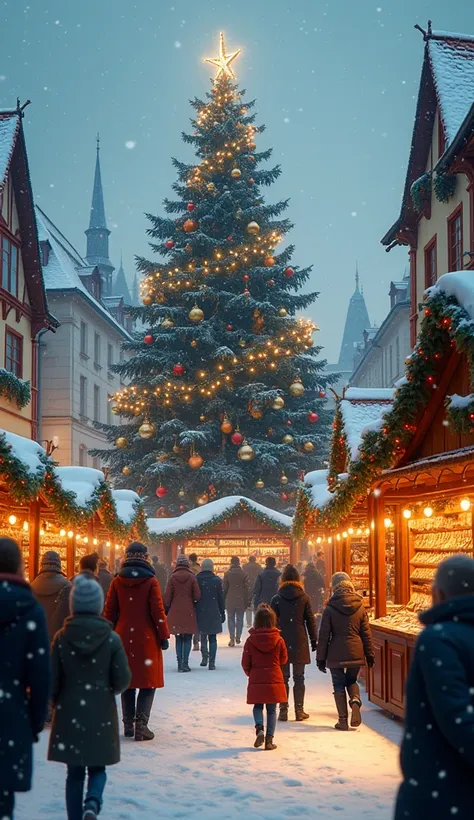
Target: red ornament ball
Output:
[
  {"x": 169, "y": 243},
  {"x": 313, "y": 417},
  {"x": 284, "y": 497},
  {"x": 288, "y": 421},
  {"x": 246, "y": 277},
  {"x": 230, "y": 238},
  {"x": 190, "y": 206},
  {"x": 178, "y": 369},
  {"x": 322, "y": 394},
  {"x": 289, "y": 272},
  {"x": 251, "y": 181},
  {"x": 237, "y": 438},
  {"x": 149, "y": 339},
  {"x": 229, "y": 327},
  {"x": 182, "y": 507},
  {"x": 271, "y": 282},
  {"x": 161, "y": 491}
]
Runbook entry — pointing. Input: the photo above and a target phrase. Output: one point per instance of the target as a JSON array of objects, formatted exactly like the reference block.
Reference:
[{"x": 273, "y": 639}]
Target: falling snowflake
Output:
[
  {"x": 130, "y": 144},
  {"x": 61, "y": 747},
  {"x": 31, "y": 625},
  {"x": 286, "y": 119},
  {"x": 177, "y": 44},
  {"x": 353, "y": 213},
  {"x": 148, "y": 662}
]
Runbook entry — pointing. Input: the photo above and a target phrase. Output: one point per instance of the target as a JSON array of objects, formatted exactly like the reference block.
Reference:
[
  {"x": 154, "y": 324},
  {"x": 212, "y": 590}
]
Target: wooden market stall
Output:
[{"x": 229, "y": 526}]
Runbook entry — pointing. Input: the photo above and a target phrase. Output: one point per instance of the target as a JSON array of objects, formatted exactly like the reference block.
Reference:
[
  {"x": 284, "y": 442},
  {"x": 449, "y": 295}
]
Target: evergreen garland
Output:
[
  {"x": 14, "y": 389},
  {"x": 444, "y": 186},
  {"x": 23, "y": 485},
  {"x": 338, "y": 451},
  {"x": 420, "y": 191}
]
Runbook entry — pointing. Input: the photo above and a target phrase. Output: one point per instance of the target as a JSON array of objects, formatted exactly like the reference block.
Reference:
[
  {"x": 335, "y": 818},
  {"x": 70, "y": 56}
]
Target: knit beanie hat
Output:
[
  {"x": 182, "y": 560},
  {"x": 86, "y": 596},
  {"x": 342, "y": 579},
  {"x": 51, "y": 561},
  {"x": 207, "y": 565},
  {"x": 136, "y": 550}
]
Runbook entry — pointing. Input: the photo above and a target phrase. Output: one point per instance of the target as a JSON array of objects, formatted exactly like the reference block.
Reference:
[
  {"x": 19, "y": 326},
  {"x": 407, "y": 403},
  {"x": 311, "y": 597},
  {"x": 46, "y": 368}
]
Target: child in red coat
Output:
[{"x": 263, "y": 656}]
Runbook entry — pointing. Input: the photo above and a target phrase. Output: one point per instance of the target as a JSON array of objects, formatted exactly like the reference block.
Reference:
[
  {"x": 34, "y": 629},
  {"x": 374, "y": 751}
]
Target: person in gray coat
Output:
[
  {"x": 252, "y": 569},
  {"x": 47, "y": 588},
  {"x": 266, "y": 585},
  {"x": 210, "y": 611},
  {"x": 237, "y": 598}
]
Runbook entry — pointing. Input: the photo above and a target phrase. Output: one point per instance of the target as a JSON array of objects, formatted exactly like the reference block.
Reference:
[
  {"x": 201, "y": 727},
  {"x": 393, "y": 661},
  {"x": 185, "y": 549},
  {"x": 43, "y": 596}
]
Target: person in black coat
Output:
[
  {"x": 266, "y": 585},
  {"x": 237, "y": 599},
  {"x": 314, "y": 586},
  {"x": 437, "y": 753},
  {"x": 161, "y": 572},
  {"x": 210, "y": 611},
  {"x": 296, "y": 621},
  {"x": 252, "y": 569},
  {"x": 24, "y": 676},
  {"x": 47, "y": 587}
]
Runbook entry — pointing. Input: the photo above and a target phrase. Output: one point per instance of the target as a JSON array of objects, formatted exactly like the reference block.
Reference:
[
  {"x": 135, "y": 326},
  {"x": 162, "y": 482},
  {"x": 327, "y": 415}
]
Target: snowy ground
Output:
[{"x": 202, "y": 764}]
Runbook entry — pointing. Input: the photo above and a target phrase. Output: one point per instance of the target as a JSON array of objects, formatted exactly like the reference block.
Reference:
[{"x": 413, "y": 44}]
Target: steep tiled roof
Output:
[
  {"x": 360, "y": 408},
  {"x": 452, "y": 62},
  {"x": 9, "y": 129}
]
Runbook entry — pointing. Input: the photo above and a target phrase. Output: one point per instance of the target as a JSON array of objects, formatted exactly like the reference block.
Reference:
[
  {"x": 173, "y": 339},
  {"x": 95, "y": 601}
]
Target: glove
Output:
[
  {"x": 370, "y": 661},
  {"x": 321, "y": 666},
  {"x": 314, "y": 646},
  {"x": 165, "y": 644}
]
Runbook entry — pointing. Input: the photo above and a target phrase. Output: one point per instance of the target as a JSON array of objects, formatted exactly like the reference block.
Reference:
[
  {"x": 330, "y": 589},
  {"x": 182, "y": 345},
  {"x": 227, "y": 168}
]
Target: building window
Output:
[
  {"x": 82, "y": 455},
  {"x": 83, "y": 338},
  {"x": 83, "y": 396},
  {"x": 97, "y": 349},
  {"x": 110, "y": 355},
  {"x": 9, "y": 263},
  {"x": 431, "y": 264},
  {"x": 441, "y": 136},
  {"x": 455, "y": 242},
  {"x": 14, "y": 353},
  {"x": 96, "y": 402},
  {"x": 96, "y": 463}
]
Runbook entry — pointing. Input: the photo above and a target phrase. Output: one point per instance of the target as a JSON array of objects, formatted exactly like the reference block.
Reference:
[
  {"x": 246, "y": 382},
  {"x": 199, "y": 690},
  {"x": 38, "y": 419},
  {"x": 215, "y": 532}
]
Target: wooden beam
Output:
[
  {"x": 70, "y": 557},
  {"x": 402, "y": 559},
  {"x": 34, "y": 525},
  {"x": 380, "y": 573},
  {"x": 346, "y": 555},
  {"x": 370, "y": 518}
]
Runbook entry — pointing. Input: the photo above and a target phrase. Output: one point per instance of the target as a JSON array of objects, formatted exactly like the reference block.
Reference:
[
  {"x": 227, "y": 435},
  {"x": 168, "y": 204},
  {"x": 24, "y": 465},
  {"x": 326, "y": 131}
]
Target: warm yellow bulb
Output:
[
  {"x": 70, "y": 534},
  {"x": 387, "y": 522},
  {"x": 407, "y": 514},
  {"x": 465, "y": 504},
  {"x": 318, "y": 539},
  {"x": 62, "y": 533},
  {"x": 351, "y": 531},
  {"x": 344, "y": 534},
  {"x": 12, "y": 520},
  {"x": 428, "y": 511}
]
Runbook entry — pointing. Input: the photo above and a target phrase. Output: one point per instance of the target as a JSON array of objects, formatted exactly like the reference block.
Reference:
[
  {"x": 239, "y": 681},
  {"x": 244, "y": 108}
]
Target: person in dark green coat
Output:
[{"x": 89, "y": 668}]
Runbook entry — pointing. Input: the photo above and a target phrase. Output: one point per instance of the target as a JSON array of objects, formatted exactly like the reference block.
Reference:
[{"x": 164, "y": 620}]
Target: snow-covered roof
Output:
[
  {"x": 452, "y": 62},
  {"x": 360, "y": 409},
  {"x": 460, "y": 285},
  {"x": 316, "y": 483},
  {"x": 127, "y": 503},
  {"x": 28, "y": 452},
  {"x": 82, "y": 481},
  {"x": 9, "y": 127},
  {"x": 65, "y": 265},
  {"x": 222, "y": 507}
]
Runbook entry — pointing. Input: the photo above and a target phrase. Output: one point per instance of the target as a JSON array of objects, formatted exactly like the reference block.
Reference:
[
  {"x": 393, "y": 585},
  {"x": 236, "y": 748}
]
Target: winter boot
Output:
[
  {"x": 269, "y": 744},
  {"x": 128, "y": 727},
  {"x": 91, "y": 810},
  {"x": 186, "y": 667},
  {"x": 355, "y": 703},
  {"x": 142, "y": 732},
  {"x": 212, "y": 666},
  {"x": 231, "y": 642},
  {"x": 341, "y": 706},
  {"x": 238, "y": 641},
  {"x": 298, "y": 695},
  {"x": 260, "y": 739},
  {"x": 205, "y": 659},
  {"x": 283, "y": 713},
  {"x": 128, "y": 716}
]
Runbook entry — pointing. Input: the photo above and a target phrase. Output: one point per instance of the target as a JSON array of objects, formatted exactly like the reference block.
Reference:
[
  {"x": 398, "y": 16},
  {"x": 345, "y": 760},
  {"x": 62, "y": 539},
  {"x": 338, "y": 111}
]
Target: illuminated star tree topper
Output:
[{"x": 224, "y": 60}]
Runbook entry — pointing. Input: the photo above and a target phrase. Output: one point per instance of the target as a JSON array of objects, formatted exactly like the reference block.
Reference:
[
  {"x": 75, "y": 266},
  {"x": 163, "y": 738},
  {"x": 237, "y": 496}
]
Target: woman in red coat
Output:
[
  {"x": 135, "y": 607},
  {"x": 182, "y": 592},
  {"x": 263, "y": 656}
]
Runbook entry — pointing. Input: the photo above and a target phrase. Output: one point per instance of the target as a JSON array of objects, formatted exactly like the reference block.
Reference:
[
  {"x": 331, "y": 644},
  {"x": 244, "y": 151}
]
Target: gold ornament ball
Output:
[
  {"x": 194, "y": 343},
  {"x": 279, "y": 403},
  {"x": 210, "y": 186},
  {"x": 121, "y": 442},
  {"x": 202, "y": 499},
  {"x": 287, "y": 439},
  {"x": 259, "y": 483},
  {"x": 236, "y": 173},
  {"x": 297, "y": 388},
  {"x": 188, "y": 248},
  {"x": 196, "y": 461},
  {"x": 190, "y": 226},
  {"x": 226, "y": 426},
  {"x": 126, "y": 470},
  {"x": 308, "y": 446},
  {"x": 181, "y": 493},
  {"x": 167, "y": 323},
  {"x": 253, "y": 228},
  {"x": 196, "y": 314},
  {"x": 283, "y": 479},
  {"x": 146, "y": 430},
  {"x": 269, "y": 261},
  {"x": 255, "y": 412},
  {"x": 115, "y": 409},
  {"x": 252, "y": 146},
  {"x": 202, "y": 417},
  {"x": 176, "y": 448},
  {"x": 246, "y": 452},
  {"x": 147, "y": 300},
  {"x": 242, "y": 342},
  {"x": 283, "y": 312}
]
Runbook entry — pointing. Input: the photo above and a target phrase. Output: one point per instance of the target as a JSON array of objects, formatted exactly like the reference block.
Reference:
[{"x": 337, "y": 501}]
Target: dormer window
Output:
[{"x": 45, "y": 248}]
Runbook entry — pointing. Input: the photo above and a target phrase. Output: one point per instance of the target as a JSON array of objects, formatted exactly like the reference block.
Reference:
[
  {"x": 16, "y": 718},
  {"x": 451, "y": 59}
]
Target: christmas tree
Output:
[{"x": 226, "y": 392}]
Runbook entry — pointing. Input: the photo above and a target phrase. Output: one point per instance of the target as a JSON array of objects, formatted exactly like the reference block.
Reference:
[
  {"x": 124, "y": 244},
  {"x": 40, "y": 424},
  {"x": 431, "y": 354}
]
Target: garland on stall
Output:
[
  {"x": 14, "y": 389},
  {"x": 444, "y": 186},
  {"x": 23, "y": 485},
  {"x": 338, "y": 448},
  {"x": 302, "y": 515},
  {"x": 460, "y": 411},
  {"x": 206, "y": 526},
  {"x": 445, "y": 325},
  {"x": 420, "y": 191}
]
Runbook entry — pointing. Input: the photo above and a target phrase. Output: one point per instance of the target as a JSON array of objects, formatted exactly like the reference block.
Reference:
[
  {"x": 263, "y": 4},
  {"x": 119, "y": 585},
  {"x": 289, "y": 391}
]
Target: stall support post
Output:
[
  {"x": 380, "y": 573},
  {"x": 167, "y": 553},
  {"x": 90, "y": 535},
  {"x": 346, "y": 555},
  {"x": 34, "y": 525},
  {"x": 70, "y": 557},
  {"x": 402, "y": 559},
  {"x": 112, "y": 556},
  {"x": 370, "y": 519},
  {"x": 295, "y": 551}
]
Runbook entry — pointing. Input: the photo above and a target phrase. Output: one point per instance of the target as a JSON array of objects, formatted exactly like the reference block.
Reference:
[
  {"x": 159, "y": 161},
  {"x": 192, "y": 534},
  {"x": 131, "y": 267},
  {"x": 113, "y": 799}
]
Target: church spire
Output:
[
  {"x": 97, "y": 252},
  {"x": 357, "y": 276},
  {"x": 357, "y": 320}
]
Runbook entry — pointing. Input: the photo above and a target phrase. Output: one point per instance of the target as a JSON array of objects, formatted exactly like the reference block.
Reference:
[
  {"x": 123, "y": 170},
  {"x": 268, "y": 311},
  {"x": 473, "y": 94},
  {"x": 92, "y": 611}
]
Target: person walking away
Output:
[
  {"x": 296, "y": 621},
  {"x": 104, "y": 577},
  {"x": 262, "y": 660},
  {"x": 47, "y": 588},
  {"x": 210, "y": 612},
  {"x": 237, "y": 599},
  {"x": 321, "y": 564},
  {"x": 314, "y": 587},
  {"x": 89, "y": 669},
  {"x": 88, "y": 565},
  {"x": 135, "y": 608},
  {"x": 266, "y": 585},
  {"x": 344, "y": 645},
  {"x": 437, "y": 753},
  {"x": 195, "y": 568},
  {"x": 24, "y": 676},
  {"x": 181, "y": 596},
  {"x": 251, "y": 569},
  {"x": 161, "y": 572}
]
